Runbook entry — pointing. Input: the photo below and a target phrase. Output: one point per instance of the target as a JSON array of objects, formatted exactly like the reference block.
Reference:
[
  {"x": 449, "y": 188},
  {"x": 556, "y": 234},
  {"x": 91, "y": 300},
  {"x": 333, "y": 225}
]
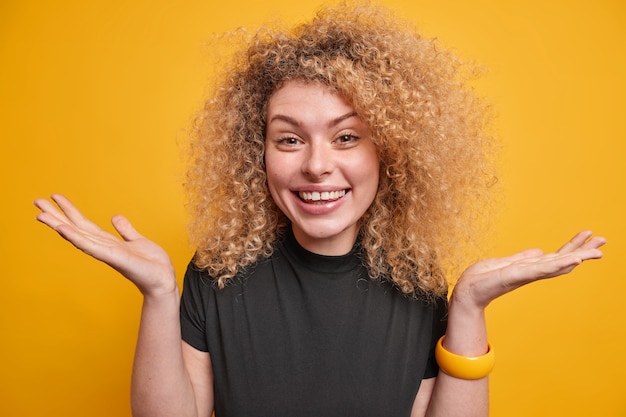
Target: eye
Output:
[
  {"x": 288, "y": 142},
  {"x": 346, "y": 139}
]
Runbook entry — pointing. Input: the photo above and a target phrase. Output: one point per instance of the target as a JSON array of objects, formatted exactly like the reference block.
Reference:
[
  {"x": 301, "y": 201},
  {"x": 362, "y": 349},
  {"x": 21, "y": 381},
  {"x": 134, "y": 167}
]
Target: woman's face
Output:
[{"x": 322, "y": 166}]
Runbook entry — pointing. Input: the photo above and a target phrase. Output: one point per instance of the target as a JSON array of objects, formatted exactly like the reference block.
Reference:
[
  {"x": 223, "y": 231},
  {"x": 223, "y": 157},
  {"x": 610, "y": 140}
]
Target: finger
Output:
[
  {"x": 496, "y": 263},
  {"x": 74, "y": 215},
  {"x": 63, "y": 213},
  {"x": 68, "y": 208},
  {"x": 589, "y": 253},
  {"x": 558, "y": 264},
  {"x": 50, "y": 220},
  {"x": 595, "y": 242},
  {"x": 125, "y": 228},
  {"x": 100, "y": 245},
  {"x": 583, "y": 247},
  {"x": 522, "y": 273},
  {"x": 45, "y": 205},
  {"x": 576, "y": 242},
  {"x": 80, "y": 232},
  {"x": 50, "y": 214},
  {"x": 50, "y": 209}
]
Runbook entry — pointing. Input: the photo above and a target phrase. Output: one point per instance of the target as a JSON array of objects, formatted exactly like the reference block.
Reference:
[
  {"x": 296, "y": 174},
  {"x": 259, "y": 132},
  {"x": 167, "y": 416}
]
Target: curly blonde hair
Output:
[{"x": 428, "y": 125}]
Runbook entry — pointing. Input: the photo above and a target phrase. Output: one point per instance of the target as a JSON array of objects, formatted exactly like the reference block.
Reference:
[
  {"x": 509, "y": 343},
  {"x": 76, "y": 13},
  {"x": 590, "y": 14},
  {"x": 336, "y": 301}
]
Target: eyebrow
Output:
[{"x": 296, "y": 122}]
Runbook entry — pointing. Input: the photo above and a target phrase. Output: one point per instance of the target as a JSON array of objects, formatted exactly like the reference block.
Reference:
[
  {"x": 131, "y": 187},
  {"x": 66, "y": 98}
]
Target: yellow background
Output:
[{"x": 95, "y": 100}]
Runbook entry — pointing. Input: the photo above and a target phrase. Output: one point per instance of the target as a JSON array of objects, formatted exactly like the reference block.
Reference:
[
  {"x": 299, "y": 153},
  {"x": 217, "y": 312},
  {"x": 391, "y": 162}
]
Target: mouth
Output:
[{"x": 320, "y": 197}]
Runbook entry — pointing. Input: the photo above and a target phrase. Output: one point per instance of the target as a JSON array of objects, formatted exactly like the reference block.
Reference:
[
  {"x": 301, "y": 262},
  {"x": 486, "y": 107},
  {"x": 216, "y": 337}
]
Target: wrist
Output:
[
  {"x": 464, "y": 312},
  {"x": 167, "y": 292},
  {"x": 466, "y": 333},
  {"x": 463, "y": 296},
  {"x": 160, "y": 283}
]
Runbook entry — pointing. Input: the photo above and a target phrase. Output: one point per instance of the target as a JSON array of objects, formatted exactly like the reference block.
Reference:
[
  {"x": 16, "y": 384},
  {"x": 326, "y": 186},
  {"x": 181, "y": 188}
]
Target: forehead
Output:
[{"x": 301, "y": 97}]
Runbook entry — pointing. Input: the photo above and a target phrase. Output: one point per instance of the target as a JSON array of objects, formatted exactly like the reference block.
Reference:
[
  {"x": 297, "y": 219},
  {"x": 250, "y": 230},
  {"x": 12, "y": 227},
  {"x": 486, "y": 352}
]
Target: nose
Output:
[{"x": 318, "y": 161}]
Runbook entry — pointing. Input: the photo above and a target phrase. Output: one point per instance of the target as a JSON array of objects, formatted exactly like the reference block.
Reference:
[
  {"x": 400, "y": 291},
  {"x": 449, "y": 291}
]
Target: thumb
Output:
[{"x": 125, "y": 228}]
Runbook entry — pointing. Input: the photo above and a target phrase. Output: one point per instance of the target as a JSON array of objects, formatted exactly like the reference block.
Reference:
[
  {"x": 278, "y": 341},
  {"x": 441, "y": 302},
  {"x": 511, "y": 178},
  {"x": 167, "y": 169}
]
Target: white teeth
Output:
[{"x": 323, "y": 196}]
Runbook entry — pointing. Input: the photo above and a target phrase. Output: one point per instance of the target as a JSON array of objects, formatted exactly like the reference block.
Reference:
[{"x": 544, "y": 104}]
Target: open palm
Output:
[
  {"x": 487, "y": 280},
  {"x": 140, "y": 260}
]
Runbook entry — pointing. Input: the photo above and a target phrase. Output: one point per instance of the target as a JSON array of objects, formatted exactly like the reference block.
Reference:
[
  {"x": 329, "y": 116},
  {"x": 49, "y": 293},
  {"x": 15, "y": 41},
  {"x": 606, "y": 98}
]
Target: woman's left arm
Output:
[{"x": 467, "y": 331}]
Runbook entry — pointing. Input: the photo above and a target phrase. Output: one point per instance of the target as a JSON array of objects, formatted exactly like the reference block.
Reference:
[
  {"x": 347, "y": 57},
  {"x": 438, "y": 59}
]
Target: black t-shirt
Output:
[{"x": 301, "y": 334}]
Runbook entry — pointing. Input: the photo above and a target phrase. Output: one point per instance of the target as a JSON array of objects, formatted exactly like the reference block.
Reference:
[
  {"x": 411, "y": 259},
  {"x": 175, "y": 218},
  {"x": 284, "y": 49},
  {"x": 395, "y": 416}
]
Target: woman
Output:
[{"x": 337, "y": 166}]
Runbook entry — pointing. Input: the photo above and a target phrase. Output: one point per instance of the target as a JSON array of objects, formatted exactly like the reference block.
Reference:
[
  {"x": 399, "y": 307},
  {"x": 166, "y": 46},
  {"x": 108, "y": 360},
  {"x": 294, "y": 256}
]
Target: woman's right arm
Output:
[{"x": 169, "y": 376}]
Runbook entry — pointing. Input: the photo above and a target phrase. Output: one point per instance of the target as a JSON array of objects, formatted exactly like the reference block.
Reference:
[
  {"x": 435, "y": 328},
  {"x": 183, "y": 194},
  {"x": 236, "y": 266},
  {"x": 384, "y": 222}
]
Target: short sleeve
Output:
[
  {"x": 440, "y": 324},
  {"x": 193, "y": 307}
]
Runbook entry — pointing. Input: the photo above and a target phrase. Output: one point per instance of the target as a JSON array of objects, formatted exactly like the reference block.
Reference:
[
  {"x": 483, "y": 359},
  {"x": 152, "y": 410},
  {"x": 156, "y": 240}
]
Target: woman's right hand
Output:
[{"x": 140, "y": 260}]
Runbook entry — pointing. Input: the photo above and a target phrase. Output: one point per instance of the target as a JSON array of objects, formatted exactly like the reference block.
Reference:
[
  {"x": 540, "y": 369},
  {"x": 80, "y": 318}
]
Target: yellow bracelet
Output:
[{"x": 464, "y": 367}]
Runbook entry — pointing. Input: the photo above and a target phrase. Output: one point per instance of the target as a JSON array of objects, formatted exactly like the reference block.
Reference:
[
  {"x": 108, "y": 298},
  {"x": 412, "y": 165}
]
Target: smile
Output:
[{"x": 323, "y": 196}]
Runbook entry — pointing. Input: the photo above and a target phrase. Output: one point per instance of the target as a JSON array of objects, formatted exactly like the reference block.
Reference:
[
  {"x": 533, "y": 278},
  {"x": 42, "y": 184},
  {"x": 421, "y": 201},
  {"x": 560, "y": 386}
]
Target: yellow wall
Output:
[{"x": 95, "y": 97}]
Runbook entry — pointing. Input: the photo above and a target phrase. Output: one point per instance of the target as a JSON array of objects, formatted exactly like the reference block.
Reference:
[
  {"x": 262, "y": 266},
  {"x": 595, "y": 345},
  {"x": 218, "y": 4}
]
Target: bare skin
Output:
[{"x": 172, "y": 378}]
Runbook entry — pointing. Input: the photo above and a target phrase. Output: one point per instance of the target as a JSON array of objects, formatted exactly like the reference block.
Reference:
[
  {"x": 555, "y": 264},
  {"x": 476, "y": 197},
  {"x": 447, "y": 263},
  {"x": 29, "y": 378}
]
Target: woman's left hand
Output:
[{"x": 487, "y": 280}]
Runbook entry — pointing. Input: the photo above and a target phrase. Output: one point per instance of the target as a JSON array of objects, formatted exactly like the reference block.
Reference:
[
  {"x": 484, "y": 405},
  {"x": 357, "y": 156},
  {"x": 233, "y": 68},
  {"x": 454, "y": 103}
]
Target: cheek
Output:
[
  {"x": 270, "y": 171},
  {"x": 279, "y": 168},
  {"x": 370, "y": 169},
  {"x": 273, "y": 161},
  {"x": 373, "y": 178},
  {"x": 374, "y": 183},
  {"x": 273, "y": 173},
  {"x": 275, "y": 183}
]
